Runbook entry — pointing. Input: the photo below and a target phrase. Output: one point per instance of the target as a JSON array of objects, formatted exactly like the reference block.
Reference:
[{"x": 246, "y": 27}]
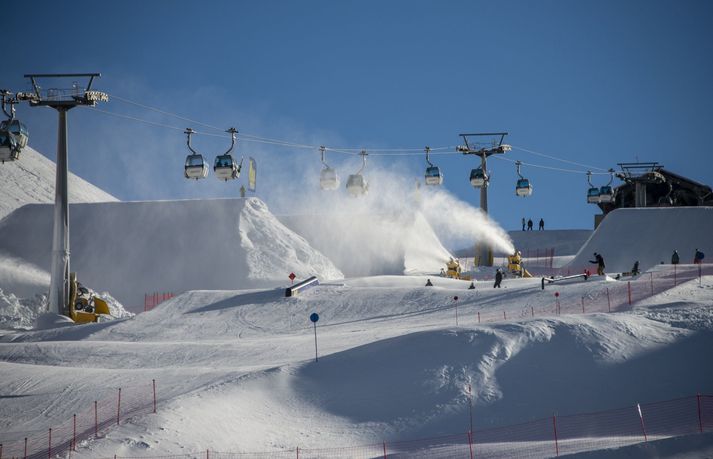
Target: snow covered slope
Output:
[
  {"x": 649, "y": 235},
  {"x": 31, "y": 180},
  {"x": 133, "y": 248}
]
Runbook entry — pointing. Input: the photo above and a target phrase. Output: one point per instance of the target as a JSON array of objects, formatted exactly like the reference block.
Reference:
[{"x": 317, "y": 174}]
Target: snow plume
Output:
[
  {"x": 457, "y": 223},
  {"x": 391, "y": 229}
]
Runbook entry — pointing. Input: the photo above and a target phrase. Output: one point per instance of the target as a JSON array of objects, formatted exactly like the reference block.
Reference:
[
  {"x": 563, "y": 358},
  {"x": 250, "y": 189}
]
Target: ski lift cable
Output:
[
  {"x": 558, "y": 169},
  {"x": 556, "y": 158}
]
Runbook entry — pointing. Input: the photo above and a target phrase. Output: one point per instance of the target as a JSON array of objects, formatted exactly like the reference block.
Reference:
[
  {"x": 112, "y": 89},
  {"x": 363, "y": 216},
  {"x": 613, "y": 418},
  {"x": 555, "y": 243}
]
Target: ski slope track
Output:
[
  {"x": 649, "y": 235},
  {"x": 132, "y": 248},
  {"x": 236, "y": 370}
]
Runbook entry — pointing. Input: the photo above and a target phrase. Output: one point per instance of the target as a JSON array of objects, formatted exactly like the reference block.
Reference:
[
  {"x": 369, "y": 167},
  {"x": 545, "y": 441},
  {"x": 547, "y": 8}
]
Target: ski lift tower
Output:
[
  {"x": 484, "y": 145},
  {"x": 61, "y": 99},
  {"x": 641, "y": 174}
]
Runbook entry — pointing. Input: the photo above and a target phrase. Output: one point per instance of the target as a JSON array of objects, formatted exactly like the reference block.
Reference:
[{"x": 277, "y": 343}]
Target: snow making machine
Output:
[
  {"x": 84, "y": 305},
  {"x": 515, "y": 265},
  {"x": 454, "y": 270}
]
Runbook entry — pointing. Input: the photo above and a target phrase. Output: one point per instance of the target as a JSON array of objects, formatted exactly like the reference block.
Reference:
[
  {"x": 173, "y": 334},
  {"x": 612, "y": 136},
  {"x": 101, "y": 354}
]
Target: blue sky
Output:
[{"x": 593, "y": 82}]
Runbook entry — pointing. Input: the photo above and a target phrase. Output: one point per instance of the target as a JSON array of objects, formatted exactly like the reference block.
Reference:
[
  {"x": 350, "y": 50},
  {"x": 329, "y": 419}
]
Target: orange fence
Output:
[{"x": 151, "y": 300}]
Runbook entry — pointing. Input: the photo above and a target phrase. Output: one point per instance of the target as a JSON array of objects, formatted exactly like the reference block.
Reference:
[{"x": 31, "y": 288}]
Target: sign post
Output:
[
  {"x": 455, "y": 301},
  {"x": 314, "y": 317}
]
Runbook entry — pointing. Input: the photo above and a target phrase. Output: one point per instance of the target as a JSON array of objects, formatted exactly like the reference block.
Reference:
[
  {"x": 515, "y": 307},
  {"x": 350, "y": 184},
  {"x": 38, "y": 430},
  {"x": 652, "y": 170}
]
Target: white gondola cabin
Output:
[
  {"x": 13, "y": 138},
  {"x": 434, "y": 176},
  {"x": 225, "y": 167},
  {"x": 593, "y": 195},
  {"x": 196, "y": 167},
  {"x": 523, "y": 188},
  {"x": 478, "y": 178},
  {"x": 606, "y": 194},
  {"x": 328, "y": 179},
  {"x": 357, "y": 185}
]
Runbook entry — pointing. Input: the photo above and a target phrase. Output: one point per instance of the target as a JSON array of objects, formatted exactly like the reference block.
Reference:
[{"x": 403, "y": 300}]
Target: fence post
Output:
[
  {"x": 96, "y": 420},
  {"x": 74, "y": 433},
  {"x": 384, "y": 450},
  {"x": 643, "y": 426},
  {"x": 700, "y": 418},
  {"x": 505, "y": 317},
  {"x": 207, "y": 454},
  {"x": 628, "y": 287},
  {"x": 532, "y": 311},
  {"x": 478, "y": 316},
  {"x": 554, "y": 427},
  {"x": 699, "y": 274},
  {"x": 25, "y": 454},
  {"x": 49, "y": 446},
  {"x": 118, "y": 407},
  {"x": 298, "y": 452},
  {"x": 608, "y": 300},
  {"x": 470, "y": 444},
  {"x": 582, "y": 305},
  {"x": 651, "y": 280},
  {"x": 153, "y": 381}
]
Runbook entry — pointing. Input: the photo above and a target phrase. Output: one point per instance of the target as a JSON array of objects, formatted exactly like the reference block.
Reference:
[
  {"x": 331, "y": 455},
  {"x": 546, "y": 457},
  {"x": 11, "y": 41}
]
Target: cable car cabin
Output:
[
  {"x": 328, "y": 179},
  {"x": 225, "y": 168},
  {"x": 593, "y": 195},
  {"x": 477, "y": 178},
  {"x": 13, "y": 138},
  {"x": 606, "y": 194},
  {"x": 523, "y": 188},
  {"x": 433, "y": 176},
  {"x": 196, "y": 167},
  {"x": 356, "y": 185}
]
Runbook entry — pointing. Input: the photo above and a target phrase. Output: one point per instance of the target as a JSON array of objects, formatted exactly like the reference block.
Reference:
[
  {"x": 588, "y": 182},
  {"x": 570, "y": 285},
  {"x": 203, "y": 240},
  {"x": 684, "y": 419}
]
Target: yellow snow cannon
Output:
[
  {"x": 84, "y": 305},
  {"x": 515, "y": 265}
]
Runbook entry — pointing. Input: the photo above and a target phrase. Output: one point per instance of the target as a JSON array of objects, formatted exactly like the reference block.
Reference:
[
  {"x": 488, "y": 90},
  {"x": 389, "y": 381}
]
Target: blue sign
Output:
[{"x": 314, "y": 317}]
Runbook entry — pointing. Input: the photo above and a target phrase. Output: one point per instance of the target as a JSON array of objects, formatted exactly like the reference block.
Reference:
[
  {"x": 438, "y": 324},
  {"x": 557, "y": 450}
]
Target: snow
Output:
[
  {"x": 234, "y": 360},
  {"x": 31, "y": 180}
]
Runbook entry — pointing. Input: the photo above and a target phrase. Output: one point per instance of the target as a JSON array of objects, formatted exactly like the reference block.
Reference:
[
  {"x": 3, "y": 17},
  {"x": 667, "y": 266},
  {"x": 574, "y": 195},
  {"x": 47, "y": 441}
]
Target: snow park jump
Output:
[{"x": 427, "y": 263}]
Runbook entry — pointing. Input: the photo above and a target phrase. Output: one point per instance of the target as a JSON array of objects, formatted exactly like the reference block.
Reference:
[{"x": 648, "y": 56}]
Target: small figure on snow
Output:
[
  {"x": 529, "y": 224},
  {"x": 674, "y": 258},
  {"x": 472, "y": 286},
  {"x": 698, "y": 257},
  {"x": 242, "y": 191},
  {"x": 428, "y": 283},
  {"x": 443, "y": 273},
  {"x": 498, "y": 278},
  {"x": 635, "y": 270},
  {"x": 542, "y": 225},
  {"x": 599, "y": 261},
  {"x": 523, "y": 223}
]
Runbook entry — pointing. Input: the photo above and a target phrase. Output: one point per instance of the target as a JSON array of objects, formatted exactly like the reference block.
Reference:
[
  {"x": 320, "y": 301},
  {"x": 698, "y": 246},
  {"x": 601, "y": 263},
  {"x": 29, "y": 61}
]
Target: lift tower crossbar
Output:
[{"x": 62, "y": 100}]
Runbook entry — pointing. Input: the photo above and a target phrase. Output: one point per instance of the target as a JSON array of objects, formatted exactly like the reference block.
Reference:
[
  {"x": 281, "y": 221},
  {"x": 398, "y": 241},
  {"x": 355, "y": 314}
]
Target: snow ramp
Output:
[
  {"x": 131, "y": 248},
  {"x": 649, "y": 235}
]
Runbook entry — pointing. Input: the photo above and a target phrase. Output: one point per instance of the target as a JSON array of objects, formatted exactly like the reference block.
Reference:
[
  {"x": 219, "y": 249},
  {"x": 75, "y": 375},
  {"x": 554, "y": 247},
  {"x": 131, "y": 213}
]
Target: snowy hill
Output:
[
  {"x": 31, "y": 179},
  {"x": 133, "y": 248},
  {"x": 649, "y": 235}
]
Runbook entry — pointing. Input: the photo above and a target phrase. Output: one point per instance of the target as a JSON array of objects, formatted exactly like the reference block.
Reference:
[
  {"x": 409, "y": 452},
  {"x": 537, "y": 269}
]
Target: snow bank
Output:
[
  {"x": 649, "y": 235},
  {"x": 133, "y": 248},
  {"x": 31, "y": 179}
]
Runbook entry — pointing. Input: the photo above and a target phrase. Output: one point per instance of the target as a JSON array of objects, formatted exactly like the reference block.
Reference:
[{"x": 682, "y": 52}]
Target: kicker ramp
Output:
[{"x": 649, "y": 235}]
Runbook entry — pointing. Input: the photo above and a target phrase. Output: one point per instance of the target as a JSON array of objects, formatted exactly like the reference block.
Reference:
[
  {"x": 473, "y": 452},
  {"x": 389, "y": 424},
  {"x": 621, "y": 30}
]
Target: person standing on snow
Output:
[
  {"x": 698, "y": 257},
  {"x": 529, "y": 224},
  {"x": 498, "y": 278},
  {"x": 542, "y": 225},
  {"x": 674, "y": 258},
  {"x": 599, "y": 261},
  {"x": 523, "y": 223}
]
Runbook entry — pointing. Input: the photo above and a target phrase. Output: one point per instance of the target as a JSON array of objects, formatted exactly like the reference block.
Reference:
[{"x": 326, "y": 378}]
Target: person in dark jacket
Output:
[
  {"x": 599, "y": 261},
  {"x": 542, "y": 225},
  {"x": 529, "y": 224},
  {"x": 428, "y": 283},
  {"x": 635, "y": 270},
  {"x": 698, "y": 257},
  {"x": 498, "y": 278},
  {"x": 674, "y": 258}
]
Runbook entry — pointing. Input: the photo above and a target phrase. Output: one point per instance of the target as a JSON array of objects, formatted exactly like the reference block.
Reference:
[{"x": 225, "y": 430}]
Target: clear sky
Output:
[{"x": 592, "y": 82}]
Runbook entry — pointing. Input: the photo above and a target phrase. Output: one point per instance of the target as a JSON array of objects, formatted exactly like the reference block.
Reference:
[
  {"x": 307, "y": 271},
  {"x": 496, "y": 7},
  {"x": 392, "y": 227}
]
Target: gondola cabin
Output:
[
  {"x": 356, "y": 185},
  {"x": 225, "y": 167},
  {"x": 13, "y": 138},
  {"x": 433, "y": 176},
  {"x": 606, "y": 194},
  {"x": 328, "y": 179},
  {"x": 593, "y": 195},
  {"x": 523, "y": 188},
  {"x": 478, "y": 178},
  {"x": 196, "y": 167}
]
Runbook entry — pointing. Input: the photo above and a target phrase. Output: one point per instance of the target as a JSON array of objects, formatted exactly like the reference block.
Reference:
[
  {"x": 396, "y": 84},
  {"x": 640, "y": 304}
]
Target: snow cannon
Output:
[{"x": 84, "y": 305}]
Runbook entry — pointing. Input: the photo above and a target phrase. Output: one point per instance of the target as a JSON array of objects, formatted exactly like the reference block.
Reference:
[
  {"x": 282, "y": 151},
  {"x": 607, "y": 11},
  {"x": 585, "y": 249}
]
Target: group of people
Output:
[
  {"x": 697, "y": 257},
  {"x": 529, "y": 224}
]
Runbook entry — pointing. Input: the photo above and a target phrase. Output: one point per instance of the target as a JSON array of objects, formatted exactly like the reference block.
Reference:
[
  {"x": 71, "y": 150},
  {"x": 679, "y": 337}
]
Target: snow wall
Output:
[
  {"x": 133, "y": 248},
  {"x": 31, "y": 180},
  {"x": 649, "y": 235}
]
